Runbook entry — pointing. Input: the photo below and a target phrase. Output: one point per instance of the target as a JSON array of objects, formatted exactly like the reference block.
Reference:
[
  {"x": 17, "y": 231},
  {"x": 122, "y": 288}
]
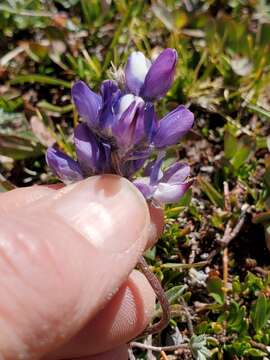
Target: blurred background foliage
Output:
[{"x": 213, "y": 259}]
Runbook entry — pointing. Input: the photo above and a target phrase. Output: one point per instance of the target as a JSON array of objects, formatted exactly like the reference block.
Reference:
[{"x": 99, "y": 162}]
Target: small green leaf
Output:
[
  {"x": 198, "y": 347},
  {"x": 54, "y": 108},
  {"x": 19, "y": 146},
  {"x": 185, "y": 199},
  {"x": 259, "y": 110},
  {"x": 164, "y": 15},
  {"x": 150, "y": 253},
  {"x": 214, "y": 287},
  {"x": 173, "y": 294},
  {"x": 214, "y": 196},
  {"x": 230, "y": 144},
  {"x": 41, "y": 79},
  {"x": 10, "y": 105},
  {"x": 237, "y": 318},
  {"x": 245, "y": 148},
  {"x": 254, "y": 352},
  {"x": 260, "y": 313},
  {"x": 253, "y": 283},
  {"x": 237, "y": 150}
]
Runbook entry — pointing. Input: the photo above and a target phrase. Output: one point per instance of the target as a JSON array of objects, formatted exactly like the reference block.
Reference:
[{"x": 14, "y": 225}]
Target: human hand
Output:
[{"x": 66, "y": 259}]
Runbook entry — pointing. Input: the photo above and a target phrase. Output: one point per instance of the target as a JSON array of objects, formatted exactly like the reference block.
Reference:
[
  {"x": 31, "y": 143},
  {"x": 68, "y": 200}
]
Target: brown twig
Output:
[
  {"x": 188, "y": 316},
  {"x": 227, "y": 202},
  {"x": 259, "y": 346},
  {"x": 158, "y": 348},
  {"x": 225, "y": 261},
  {"x": 229, "y": 235},
  {"x": 261, "y": 271},
  {"x": 130, "y": 354},
  {"x": 149, "y": 340},
  {"x": 161, "y": 296}
]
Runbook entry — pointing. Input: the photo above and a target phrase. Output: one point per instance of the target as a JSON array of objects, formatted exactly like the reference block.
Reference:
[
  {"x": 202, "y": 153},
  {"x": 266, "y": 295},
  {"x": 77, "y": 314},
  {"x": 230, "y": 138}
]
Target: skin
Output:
[{"x": 67, "y": 284}]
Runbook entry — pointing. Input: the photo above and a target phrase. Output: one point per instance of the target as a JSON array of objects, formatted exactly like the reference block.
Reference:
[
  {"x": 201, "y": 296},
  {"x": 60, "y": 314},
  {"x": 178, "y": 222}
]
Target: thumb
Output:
[{"x": 62, "y": 258}]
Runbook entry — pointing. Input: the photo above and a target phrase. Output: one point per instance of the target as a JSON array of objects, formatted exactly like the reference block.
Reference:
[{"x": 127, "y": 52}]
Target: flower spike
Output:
[{"x": 121, "y": 133}]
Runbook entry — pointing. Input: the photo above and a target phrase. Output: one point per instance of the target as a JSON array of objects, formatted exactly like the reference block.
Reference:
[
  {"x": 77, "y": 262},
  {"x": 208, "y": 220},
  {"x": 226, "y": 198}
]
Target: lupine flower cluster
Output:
[{"x": 121, "y": 134}]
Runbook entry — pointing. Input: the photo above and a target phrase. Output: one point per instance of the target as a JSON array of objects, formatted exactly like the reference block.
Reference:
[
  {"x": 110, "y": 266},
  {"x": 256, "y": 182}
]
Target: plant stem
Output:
[{"x": 154, "y": 282}]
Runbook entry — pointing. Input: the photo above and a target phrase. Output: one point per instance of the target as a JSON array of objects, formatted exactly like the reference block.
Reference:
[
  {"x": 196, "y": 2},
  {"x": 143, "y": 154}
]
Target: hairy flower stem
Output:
[
  {"x": 116, "y": 163},
  {"x": 153, "y": 280},
  {"x": 161, "y": 296}
]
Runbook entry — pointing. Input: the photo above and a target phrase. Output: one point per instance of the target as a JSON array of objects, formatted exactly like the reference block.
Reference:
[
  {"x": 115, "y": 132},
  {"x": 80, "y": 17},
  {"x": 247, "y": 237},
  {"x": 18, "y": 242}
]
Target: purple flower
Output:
[
  {"x": 167, "y": 187},
  {"x": 125, "y": 118},
  {"x": 136, "y": 122},
  {"x": 97, "y": 110},
  {"x": 150, "y": 81},
  {"x": 173, "y": 127},
  {"x": 121, "y": 131},
  {"x": 129, "y": 128},
  {"x": 63, "y": 166}
]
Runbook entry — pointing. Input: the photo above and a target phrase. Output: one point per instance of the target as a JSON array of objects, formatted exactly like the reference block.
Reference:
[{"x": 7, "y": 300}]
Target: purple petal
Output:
[
  {"x": 104, "y": 163},
  {"x": 107, "y": 89},
  {"x": 67, "y": 169},
  {"x": 173, "y": 127},
  {"x": 110, "y": 95},
  {"x": 141, "y": 154},
  {"x": 124, "y": 103},
  {"x": 87, "y": 149},
  {"x": 87, "y": 102},
  {"x": 145, "y": 188},
  {"x": 135, "y": 72},
  {"x": 168, "y": 193},
  {"x": 130, "y": 167},
  {"x": 139, "y": 124},
  {"x": 122, "y": 130},
  {"x": 160, "y": 75},
  {"x": 156, "y": 172},
  {"x": 148, "y": 168},
  {"x": 135, "y": 162},
  {"x": 150, "y": 122},
  {"x": 176, "y": 173},
  {"x": 129, "y": 128}
]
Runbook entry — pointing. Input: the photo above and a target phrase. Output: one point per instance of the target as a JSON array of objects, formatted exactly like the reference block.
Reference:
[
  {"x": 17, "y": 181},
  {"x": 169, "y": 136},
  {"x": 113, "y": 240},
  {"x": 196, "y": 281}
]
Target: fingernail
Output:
[{"x": 107, "y": 210}]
